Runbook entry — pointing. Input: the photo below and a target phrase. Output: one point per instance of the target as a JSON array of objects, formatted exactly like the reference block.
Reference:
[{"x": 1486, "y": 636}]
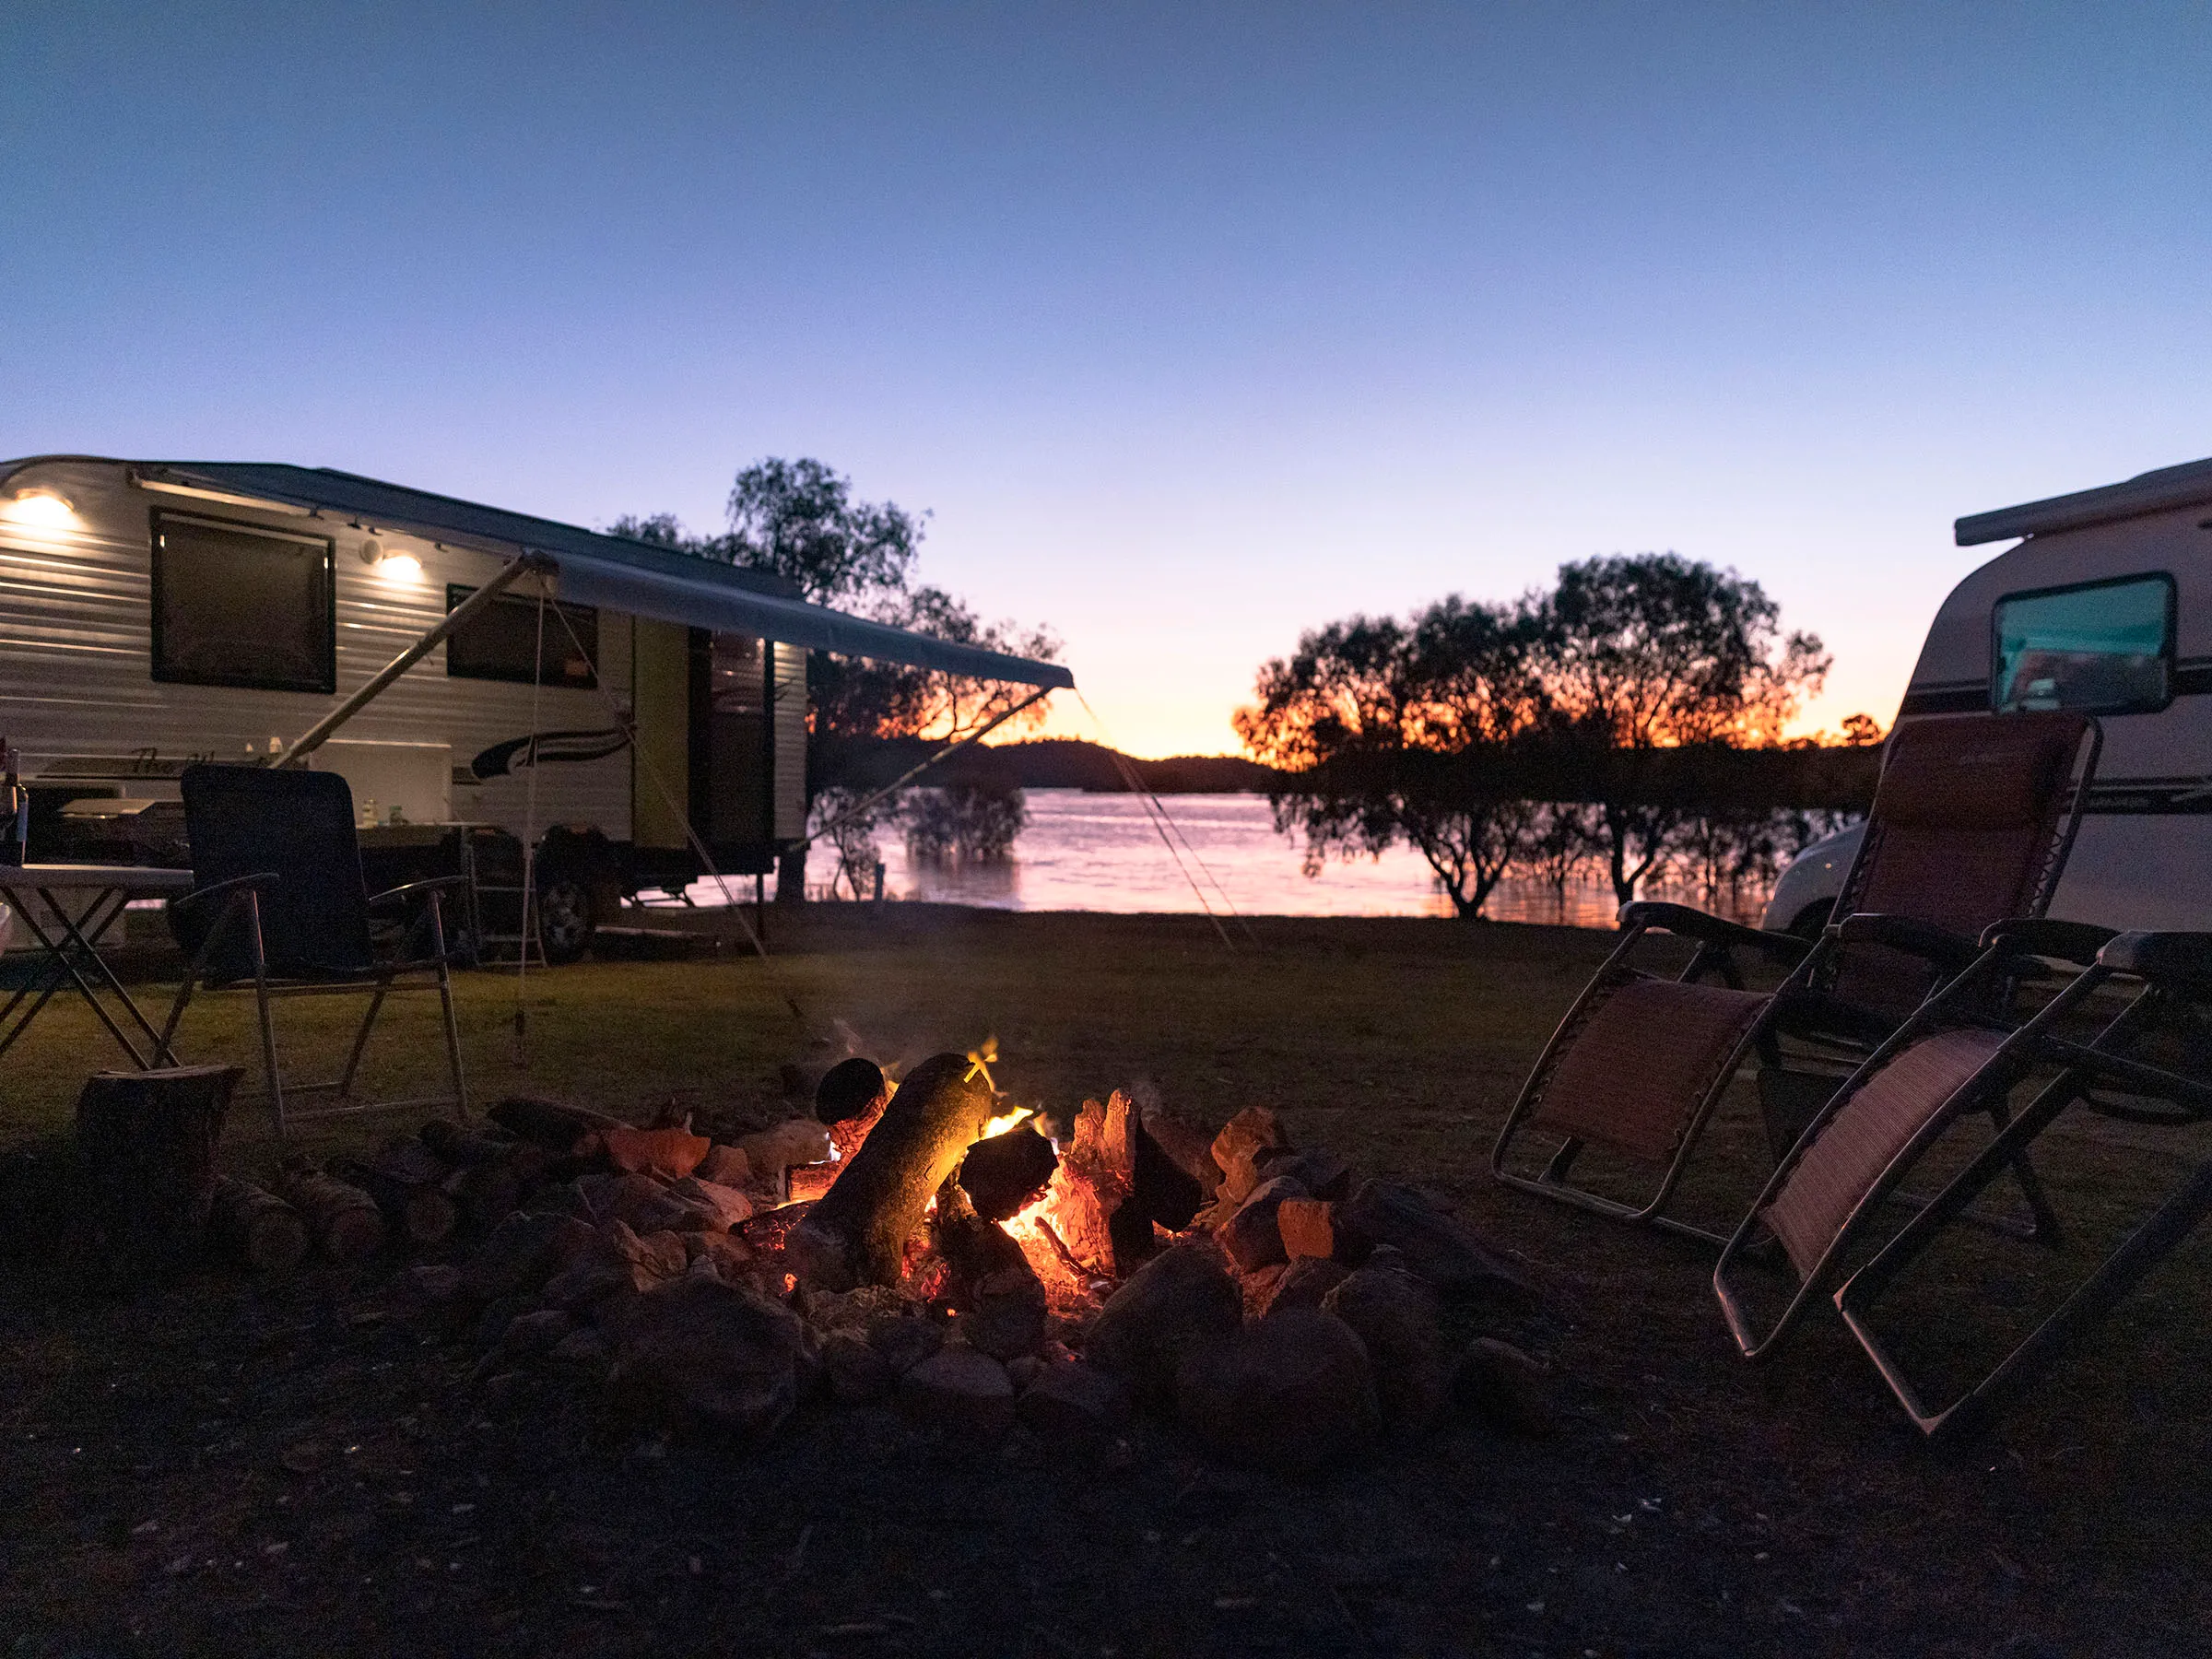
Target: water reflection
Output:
[{"x": 1104, "y": 852}]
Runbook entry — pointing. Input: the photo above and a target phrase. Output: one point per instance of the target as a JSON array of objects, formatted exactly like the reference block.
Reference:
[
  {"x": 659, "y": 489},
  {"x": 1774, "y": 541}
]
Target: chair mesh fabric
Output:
[
  {"x": 1964, "y": 832},
  {"x": 1643, "y": 1059},
  {"x": 243, "y": 820},
  {"x": 1853, "y": 1149}
]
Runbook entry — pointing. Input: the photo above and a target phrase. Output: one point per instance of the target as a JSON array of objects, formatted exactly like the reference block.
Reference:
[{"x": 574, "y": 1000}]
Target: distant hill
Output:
[{"x": 1072, "y": 763}]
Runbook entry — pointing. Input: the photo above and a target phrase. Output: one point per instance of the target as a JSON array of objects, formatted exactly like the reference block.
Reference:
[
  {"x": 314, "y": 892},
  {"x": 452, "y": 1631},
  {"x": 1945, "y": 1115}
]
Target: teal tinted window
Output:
[{"x": 2106, "y": 648}]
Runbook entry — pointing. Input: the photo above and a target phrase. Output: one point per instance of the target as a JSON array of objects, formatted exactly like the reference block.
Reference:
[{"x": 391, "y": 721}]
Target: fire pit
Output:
[{"x": 930, "y": 1242}]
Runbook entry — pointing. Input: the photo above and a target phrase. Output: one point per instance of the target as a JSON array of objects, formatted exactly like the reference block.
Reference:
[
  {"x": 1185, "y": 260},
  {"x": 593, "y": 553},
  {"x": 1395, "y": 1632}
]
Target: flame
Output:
[{"x": 1005, "y": 1121}]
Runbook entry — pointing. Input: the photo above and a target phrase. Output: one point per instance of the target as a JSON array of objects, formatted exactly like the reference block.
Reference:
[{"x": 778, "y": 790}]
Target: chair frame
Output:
[
  {"x": 2011, "y": 952},
  {"x": 239, "y": 899},
  {"x": 2172, "y": 967},
  {"x": 1717, "y": 940}
]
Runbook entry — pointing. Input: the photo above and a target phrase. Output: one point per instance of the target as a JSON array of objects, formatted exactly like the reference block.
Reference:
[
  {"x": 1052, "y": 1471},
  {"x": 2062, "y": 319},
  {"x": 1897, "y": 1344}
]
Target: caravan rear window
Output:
[
  {"x": 501, "y": 643},
  {"x": 2104, "y": 648},
  {"x": 235, "y": 605}
]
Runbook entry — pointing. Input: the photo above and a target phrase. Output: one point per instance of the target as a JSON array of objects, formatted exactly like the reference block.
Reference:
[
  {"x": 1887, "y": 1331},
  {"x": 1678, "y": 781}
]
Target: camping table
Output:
[{"x": 81, "y": 900}]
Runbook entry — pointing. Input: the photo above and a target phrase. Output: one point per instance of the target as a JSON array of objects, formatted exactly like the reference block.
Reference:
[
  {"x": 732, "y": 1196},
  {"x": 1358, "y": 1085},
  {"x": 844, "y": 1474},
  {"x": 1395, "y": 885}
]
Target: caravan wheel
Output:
[{"x": 565, "y": 917}]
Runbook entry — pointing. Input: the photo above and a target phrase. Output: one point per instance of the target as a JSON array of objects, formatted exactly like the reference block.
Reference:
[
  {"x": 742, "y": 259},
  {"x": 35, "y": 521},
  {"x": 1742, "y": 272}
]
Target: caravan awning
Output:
[{"x": 611, "y": 570}]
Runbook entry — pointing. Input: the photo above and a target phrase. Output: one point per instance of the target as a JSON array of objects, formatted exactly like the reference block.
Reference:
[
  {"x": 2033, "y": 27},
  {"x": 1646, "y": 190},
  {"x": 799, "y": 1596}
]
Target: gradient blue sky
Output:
[{"x": 1193, "y": 326}]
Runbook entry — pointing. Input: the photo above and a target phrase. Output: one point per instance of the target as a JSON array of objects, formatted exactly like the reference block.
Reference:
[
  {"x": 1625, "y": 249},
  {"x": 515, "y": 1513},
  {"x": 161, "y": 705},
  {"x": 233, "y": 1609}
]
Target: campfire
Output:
[{"x": 926, "y": 1239}]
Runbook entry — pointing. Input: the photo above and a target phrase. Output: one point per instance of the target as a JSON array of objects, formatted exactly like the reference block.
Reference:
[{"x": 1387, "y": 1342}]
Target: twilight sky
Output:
[{"x": 1191, "y": 326}]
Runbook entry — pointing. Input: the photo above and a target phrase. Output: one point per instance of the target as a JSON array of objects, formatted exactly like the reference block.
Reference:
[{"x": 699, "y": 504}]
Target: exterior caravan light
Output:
[
  {"x": 394, "y": 564},
  {"x": 39, "y": 509}
]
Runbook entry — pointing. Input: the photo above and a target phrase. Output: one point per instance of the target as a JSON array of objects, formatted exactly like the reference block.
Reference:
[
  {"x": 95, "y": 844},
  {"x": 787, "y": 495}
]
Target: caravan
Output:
[
  {"x": 489, "y": 684},
  {"x": 2104, "y": 605}
]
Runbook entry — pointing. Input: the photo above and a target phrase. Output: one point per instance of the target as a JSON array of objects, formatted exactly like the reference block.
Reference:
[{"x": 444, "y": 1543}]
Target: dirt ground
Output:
[{"x": 232, "y": 1467}]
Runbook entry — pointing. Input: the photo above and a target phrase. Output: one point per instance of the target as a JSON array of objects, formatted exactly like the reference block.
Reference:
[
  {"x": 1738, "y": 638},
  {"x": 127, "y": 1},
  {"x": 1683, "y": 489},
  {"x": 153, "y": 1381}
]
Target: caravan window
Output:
[
  {"x": 501, "y": 643},
  {"x": 2104, "y": 648},
  {"x": 235, "y": 605}
]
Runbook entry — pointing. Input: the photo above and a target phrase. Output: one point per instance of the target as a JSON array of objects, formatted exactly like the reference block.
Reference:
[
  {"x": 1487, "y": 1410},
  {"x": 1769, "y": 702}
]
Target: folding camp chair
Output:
[
  {"x": 1971, "y": 824},
  {"x": 2169, "y": 977},
  {"x": 279, "y": 902},
  {"x": 1951, "y": 1058}
]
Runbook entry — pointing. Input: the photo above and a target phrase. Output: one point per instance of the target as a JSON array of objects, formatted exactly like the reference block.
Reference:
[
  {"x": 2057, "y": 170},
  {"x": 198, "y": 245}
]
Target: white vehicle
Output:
[
  {"x": 2105, "y": 605},
  {"x": 645, "y": 705}
]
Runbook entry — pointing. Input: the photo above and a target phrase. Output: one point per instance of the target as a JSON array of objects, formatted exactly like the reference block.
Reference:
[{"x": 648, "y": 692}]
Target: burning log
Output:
[
  {"x": 850, "y": 1089},
  {"x": 857, "y": 1233},
  {"x": 1001, "y": 1302},
  {"x": 1176, "y": 1175},
  {"x": 258, "y": 1227},
  {"x": 1005, "y": 1171},
  {"x": 1092, "y": 1186}
]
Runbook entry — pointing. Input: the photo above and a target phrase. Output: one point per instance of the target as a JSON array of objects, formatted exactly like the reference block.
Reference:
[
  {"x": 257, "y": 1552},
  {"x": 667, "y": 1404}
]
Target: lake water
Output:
[{"x": 1091, "y": 852}]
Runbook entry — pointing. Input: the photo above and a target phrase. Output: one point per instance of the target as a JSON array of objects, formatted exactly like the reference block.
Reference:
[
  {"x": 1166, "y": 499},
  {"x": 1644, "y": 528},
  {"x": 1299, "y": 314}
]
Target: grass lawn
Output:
[{"x": 235, "y": 1467}]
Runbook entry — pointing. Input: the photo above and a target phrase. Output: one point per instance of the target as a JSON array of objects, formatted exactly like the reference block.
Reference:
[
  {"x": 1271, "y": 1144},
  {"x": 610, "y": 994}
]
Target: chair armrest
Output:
[
  {"x": 1709, "y": 930},
  {"x": 2154, "y": 956},
  {"x": 2077, "y": 942},
  {"x": 1922, "y": 939},
  {"x": 410, "y": 888},
  {"x": 218, "y": 889}
]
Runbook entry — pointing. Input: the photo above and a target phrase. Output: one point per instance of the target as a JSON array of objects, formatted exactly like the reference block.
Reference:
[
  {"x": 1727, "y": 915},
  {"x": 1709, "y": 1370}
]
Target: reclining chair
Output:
[
  {"x": 278, "y": 900},
  {"x": 1955, "y": 1056},
  {"x": 2150, "y": 1064},
  {"x": 1971, "y": 824}
]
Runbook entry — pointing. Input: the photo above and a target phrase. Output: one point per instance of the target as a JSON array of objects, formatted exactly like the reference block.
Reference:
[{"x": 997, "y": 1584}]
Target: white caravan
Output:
[
  {"x": 652, "y": 706},
  {"x": 2105, "y": 605}
]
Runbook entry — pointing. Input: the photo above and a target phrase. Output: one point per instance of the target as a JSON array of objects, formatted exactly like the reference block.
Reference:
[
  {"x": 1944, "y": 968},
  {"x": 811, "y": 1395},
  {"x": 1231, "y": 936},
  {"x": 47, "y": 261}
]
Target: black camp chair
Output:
[
  {"x": 2149, "y": 1064},
  {"x": 279, "y": 902}
]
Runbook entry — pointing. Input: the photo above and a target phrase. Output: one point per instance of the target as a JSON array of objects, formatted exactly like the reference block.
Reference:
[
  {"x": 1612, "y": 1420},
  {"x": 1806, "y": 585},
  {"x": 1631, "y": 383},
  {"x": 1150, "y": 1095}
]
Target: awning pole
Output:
[
  {"x": 319, "y": 734},
  {"x": 905, "y": 778}
]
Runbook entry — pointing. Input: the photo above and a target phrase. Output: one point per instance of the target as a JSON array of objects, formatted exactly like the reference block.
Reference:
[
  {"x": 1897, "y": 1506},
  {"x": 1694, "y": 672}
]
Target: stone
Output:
[
  {"x": 1504, "y": 1389},
  {"x": 616, "y": 1262},
  {"x": 433, "y": 1283},
  {"x": 673, "y": 1152},
  {"x": 637, "y": 1201},
  {"x": 1304, "y": 1283},
  {"x": 1394, "y": 1316},
  {"x": 961, "y": 1390},
  {"x": 854, "y": 1310},
  {"x": 726, "y": 1166},
  {"x": 1309, "y": 1228},
  {"x": 1290, "y": 1394},
  {"x": 1439, "y": 1247},
  {"x": 695, "y": 1353},
  {"x": 522, "y": 1253},
  {"x": 732, "y": 1256},
  {"x": 858, "y": 1374},
  {"x": 1007, "y": 1313},
  {"x": 1241, "y": 1139},
  {"x": 1251, "y": 1237},
  {"x": 1181, "y": 1298},
  {"x": 1258, "y": 1288},
  {"x": 583, "y": 1350},
  {"x": 904, "y": 1341},
  {"x": 770, "y": 1152},
  {"x": 728, "y": 1206},
  {"x": 1074, "y": 1406},
  {"x": 1320, "y": 1171},
  {"x": 539, "y": 1331}
]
